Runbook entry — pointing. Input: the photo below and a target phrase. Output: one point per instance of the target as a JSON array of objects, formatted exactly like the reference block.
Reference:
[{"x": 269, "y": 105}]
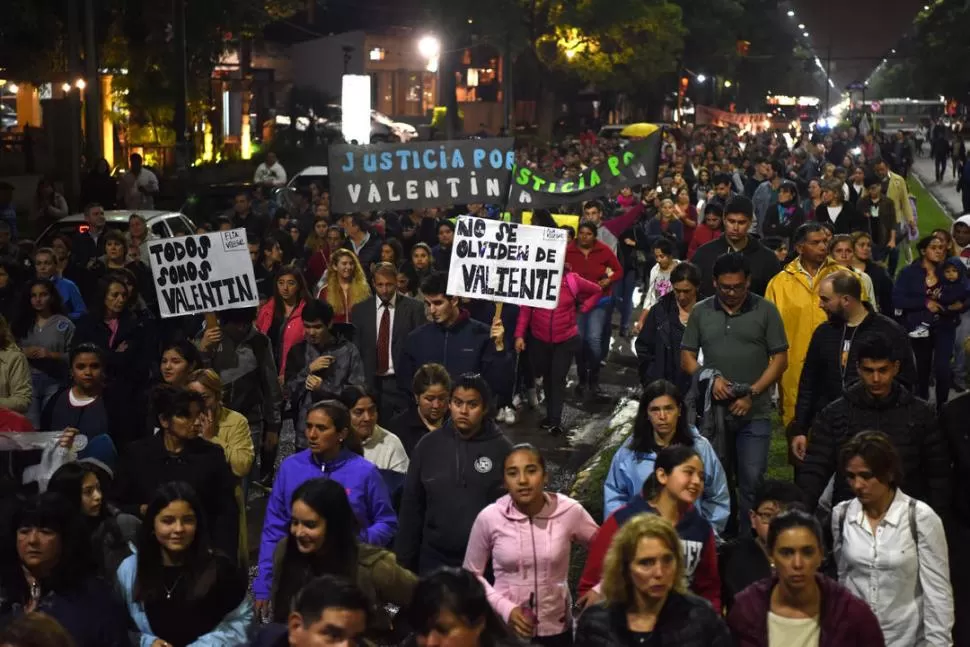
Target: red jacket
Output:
[
  {"x": 846, "y": 620},
  {"x": 593, "y": 267},
  {"x": 559, "y": 324},
  {"x": 292, "y": 329},
  {"x": 702, "y": 234},
  {"x": 696, "y": 538},
  {"x": 10, "y": 420}
]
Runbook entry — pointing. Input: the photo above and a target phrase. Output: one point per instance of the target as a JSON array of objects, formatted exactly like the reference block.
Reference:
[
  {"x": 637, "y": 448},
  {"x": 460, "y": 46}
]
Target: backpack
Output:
[{"x": 912, "y": 528}]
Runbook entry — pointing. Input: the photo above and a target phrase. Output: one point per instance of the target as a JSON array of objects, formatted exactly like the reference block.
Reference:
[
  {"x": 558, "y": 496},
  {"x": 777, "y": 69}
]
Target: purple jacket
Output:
[
  {"x": 846, "y": 620},
  {"x": 365, "y": 488}
]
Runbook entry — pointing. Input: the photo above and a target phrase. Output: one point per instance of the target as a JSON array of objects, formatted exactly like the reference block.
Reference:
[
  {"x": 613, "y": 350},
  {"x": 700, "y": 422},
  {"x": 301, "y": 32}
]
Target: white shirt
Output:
[
  {"x": 135, "y": 199},
  {"x": 386, "y": 451},
  {"x": 391, "y": 305},
  {"x": 274, "y": 175},
  {"x": 834, "y": 213},
  {"x": 793, "y": 632},
  {"x": 907, "y": 589}
]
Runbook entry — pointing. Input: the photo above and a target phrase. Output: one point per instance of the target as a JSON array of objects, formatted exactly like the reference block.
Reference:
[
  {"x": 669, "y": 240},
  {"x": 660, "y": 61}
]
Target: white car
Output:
[{"x": 164, "y": 224}]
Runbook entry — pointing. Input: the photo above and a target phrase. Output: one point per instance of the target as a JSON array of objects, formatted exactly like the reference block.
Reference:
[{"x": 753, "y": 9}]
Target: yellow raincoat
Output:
[{"x": 796, "y": 297}]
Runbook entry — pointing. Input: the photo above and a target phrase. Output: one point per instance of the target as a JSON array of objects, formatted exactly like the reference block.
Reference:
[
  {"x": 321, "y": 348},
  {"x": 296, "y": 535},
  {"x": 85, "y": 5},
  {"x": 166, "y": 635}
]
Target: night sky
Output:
[{"x": 860, "y": 32}]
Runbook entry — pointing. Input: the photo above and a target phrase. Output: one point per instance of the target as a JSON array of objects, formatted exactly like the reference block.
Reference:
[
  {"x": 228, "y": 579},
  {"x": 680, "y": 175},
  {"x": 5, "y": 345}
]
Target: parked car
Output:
[
  {"x": 382, "y": 127},
  {"x": 164, "y": 224}
]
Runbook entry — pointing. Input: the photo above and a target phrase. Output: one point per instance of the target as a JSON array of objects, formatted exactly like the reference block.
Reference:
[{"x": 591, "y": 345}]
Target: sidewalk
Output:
[{"x": 945, "y": 192}]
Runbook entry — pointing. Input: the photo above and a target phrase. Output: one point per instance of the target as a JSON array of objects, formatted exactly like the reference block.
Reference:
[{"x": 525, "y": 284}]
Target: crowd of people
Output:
[{"x": 760, "y": 276}]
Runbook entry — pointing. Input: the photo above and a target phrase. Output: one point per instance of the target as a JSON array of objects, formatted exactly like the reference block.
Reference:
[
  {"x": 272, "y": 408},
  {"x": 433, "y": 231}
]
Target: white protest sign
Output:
[
  {"x": 204, "y": 273},
  {"x": 507, "y": 262}
]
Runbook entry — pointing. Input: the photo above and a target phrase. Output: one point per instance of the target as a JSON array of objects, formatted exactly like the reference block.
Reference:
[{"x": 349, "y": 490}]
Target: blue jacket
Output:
[
  {"x": 630, "y": 469},
  {"x": 465, "y": 347},
  {"x": 365, "y": 488},
  {"x": 71, "y": 296},
  {"x": 231, "y": 631},
  {"x": 909, "y": 295}
]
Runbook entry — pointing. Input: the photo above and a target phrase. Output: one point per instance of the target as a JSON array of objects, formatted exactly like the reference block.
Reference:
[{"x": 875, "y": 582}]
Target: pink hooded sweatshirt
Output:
[
  {"x": 559, "y": 324},
  {"x": 529, "y": 556}
]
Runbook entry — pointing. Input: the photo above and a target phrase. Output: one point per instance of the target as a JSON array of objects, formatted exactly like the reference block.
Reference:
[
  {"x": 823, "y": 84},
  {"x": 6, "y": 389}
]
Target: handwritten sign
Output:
[
  {"x": 203, "y": 273},
  {"x": 507, "y": 262},
  {"x": 420, "y": 174}
]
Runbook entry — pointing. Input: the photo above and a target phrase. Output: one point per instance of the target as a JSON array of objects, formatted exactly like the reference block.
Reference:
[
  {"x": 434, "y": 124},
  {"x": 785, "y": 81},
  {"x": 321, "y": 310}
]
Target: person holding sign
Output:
[
  {"x": 455, "y": 340},
  {"x": 593, "y": 261}
]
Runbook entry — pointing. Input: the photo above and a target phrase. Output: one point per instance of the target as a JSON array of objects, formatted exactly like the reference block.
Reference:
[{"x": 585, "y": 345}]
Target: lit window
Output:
[{"x": 377, "y": 54}]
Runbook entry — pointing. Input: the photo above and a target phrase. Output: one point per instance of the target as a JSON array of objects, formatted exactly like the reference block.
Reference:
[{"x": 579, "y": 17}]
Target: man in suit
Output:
[{"x": 383, "y": 324}]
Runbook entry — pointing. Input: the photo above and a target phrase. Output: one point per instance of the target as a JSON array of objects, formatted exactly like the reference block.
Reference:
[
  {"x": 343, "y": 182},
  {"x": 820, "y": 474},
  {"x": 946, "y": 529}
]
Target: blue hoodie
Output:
[
  {"x": 630, "y": 469},
  {"x": 365, "y": 488}
]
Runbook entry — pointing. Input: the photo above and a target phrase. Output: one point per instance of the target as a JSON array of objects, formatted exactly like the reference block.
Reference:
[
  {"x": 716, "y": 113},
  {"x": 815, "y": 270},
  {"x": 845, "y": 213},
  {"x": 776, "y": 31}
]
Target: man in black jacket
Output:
[
  {"x": 454, "y": 473},
  {"x": 383, "y": 324},
  {"x": 738, "y": 215},
  {"x": 831, "y": 361},
  {"x": 954, "y": 419},
  {"x": 361, "y": 240},
  {"x": 878, "y": 402}
]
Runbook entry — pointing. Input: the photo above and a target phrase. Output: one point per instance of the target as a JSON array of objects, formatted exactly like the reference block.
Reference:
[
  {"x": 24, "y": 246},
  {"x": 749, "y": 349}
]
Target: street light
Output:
[
  {"x": 727, "y": 84},
  {"x": 66, "y": 87},
  {"x": 805, "y": 34},
  {"x": 801, "y": 25},
  {"x": 80, "y": 84},
  {"x": 701, "y": 78},
  {"x": 791, "y": 14},
  {"x": 12, "y": 88},
  {"x": 429, "y": 47}
]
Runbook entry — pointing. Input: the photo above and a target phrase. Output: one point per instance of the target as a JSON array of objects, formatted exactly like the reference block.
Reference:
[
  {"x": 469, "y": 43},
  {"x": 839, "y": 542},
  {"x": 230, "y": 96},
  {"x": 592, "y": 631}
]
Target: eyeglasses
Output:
[{"x": 731, "y": 289}]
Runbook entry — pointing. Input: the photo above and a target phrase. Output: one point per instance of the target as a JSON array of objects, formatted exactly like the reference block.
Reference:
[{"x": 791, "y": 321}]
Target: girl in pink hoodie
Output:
[
  {"x": 528, "y": 534},
  {"x": 555, "y": 340}
]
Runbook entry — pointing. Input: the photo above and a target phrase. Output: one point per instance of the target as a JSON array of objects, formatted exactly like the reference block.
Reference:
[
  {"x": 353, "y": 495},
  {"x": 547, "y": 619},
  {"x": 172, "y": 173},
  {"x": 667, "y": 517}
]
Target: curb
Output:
[{"x": 932, "y": 193}]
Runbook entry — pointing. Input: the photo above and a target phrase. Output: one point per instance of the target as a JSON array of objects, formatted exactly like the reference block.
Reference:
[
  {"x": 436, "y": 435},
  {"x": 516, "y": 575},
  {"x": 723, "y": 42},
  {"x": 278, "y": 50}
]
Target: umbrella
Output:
[{"x": 639, "y": 130}]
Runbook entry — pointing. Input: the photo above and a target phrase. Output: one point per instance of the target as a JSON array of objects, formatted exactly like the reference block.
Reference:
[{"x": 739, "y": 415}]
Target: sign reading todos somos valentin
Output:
[
  {"x": 420, "y": 174},
  {"x": 507, "y": 262},
  {"x": 637, "y": 164},
  {"x": 204, "y": 273}
]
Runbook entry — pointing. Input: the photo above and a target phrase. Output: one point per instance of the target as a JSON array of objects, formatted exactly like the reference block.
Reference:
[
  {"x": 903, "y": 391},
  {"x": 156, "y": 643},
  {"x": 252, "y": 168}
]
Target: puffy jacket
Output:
[
  {"x": 594, "y": 265},
  {"x": 910, "y": 423},
  {"x": 696, "y": 541},
  {"x": 530, "y": 557},
  {"x": 684, "y": 621},
  {"x": 846, "y": 621},
  {"x": 292, "y": 331},
  {"x": 658, "y": 345},
  {"x": 464, "y": 347},
  {"x": 365, "y": 488},
  {"x": 16, "y": 390},
  {"x": 450, "y": 480},
  {"x": 796, "y": 298},
  {"x": 823, "y": 375},
  {"x": 559, "y": 324},
  {"x": 630, "y": 469},
  {"x": 346, "y": 369}
]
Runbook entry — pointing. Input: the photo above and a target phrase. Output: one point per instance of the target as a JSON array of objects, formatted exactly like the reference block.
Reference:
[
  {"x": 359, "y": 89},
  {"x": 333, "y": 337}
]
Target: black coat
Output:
[
  {"x": 409, "y": 427},
  {"x": 684, "y": 621},
  {"x": 132, "y": 366},
  {"x": 823, "y": 380},
  {"x": 369, "y": 254},
  {"x": 953, "y": 420},
  {"x": 147, "y": 465},
  {"x": 408, "y": 315},
  {"x": 772, "y": 226},
  {"x": 658, "y": 345},
  {"x": 764, "y": 264},
  {"x": 882, "y": 285},
  {"x": 742, "y": 562},
  {"x": 848, "y": 222},
  {"x": 911, "y": 425}
]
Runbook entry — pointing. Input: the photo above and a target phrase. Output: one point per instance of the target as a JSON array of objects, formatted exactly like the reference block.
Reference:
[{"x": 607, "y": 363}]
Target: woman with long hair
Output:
[
  {"x": 334, "y": 453},
  {"x": 280, "y": 318},
  {"x": 918, "y": 293},
  {"x": 178, "y": 589},
  {"x": 49, "y": 206},
  {"x": 44, "y": 334},
  {"x": 316, "y": 252},
  {"x": 662, "y": 421},
  {"x": 137, "y": 237},
  {"x": 110, "y": 530},
  {"x": 814, "y": 199},
  {"x": 47, "y": 567},
  {"x": 862, "y": 261},
  {"x": 230, "y": 431},
  {"x": 799, "y": 605},
  {"x": 346, "y": 285},
  {"x": 842, "y": 252},
  {"x": 531, "y": 591},
  {"x": 322, "y": 540},
  {"x": 646, "y": 599},
  {"x": 890, "y": 549},
  {"x": 420, "y": 265},
  {"x": 450, "y": 607},
  {"x": 671, "y": 491},
  {"x": 180, "y": 358},
  {"x": 839, "y": 216},
  {"x": 16, "y": 389}
]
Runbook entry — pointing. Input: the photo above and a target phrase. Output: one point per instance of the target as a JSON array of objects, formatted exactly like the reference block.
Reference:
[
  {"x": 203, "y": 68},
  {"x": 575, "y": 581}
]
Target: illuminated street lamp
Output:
[
  {"x": 80, "y": 84},
  {"x": 12, "y": 88},
  {"x": 701, "y": 78},
  {"x": 791, "y": 14},
  {"x": 727, "y": 84},
  {"x": 429, "y": 47},
  {"x": 66, "y": 87}
]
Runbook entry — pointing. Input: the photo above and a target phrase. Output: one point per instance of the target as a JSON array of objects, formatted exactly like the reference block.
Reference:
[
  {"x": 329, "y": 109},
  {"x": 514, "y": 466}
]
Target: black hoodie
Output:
[
  {"x": 450, "y": 480},
  {"x": 764, "y": 264}
]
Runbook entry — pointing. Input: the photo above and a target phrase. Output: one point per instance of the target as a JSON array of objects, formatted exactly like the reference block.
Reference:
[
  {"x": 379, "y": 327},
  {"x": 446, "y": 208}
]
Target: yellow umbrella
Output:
[{"x": 639, "y": 130}]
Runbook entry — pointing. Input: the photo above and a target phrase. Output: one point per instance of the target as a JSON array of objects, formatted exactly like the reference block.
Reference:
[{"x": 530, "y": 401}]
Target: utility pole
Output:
[
  {"x": 183, "y": 136},
  {"x": 92, "y": 96}
]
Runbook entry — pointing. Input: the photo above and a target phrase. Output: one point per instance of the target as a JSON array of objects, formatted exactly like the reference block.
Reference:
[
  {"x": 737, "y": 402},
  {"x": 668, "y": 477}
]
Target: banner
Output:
[
  {"x": 204, "y": 273},
  {"x": 52, "y": 454},
  {"x": 419, "y": 174},
  {"x": 635, "y": 165},
  {"x": 745, "y": 121},
  {"x": 507, "y": 262}
]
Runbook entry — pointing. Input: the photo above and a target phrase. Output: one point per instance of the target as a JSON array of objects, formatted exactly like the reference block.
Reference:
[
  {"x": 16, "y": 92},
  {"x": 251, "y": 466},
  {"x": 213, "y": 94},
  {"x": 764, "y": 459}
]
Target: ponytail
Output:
[{"x": 667, "y": 460}]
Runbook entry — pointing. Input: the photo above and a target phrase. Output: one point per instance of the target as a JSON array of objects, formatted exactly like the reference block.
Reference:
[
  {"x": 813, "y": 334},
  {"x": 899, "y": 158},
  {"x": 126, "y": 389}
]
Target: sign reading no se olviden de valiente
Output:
[
  {"x": 203, "y": 273},
  {"x": 507, "y": 262}
]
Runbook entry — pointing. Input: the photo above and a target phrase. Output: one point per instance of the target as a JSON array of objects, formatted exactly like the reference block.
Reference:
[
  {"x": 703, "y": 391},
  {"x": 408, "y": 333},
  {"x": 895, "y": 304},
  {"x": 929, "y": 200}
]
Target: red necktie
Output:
[{"x": 384, "y": 341}]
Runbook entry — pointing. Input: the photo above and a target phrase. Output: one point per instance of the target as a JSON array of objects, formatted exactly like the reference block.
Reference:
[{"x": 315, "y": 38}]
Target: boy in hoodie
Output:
[{"x": 455, "y": 472}]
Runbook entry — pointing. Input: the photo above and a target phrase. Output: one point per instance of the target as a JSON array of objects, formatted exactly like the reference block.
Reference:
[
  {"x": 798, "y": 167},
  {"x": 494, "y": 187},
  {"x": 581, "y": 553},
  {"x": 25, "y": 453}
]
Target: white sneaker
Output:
[
  {"x": 516, "y": 401},
  {"x": 507, "y": 415},
  {"x": 921, "y": 332}
]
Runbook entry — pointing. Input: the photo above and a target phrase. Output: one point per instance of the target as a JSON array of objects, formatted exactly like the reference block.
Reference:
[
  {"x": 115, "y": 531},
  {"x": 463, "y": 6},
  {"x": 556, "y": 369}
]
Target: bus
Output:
[{"x": 894, "y": 115}]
